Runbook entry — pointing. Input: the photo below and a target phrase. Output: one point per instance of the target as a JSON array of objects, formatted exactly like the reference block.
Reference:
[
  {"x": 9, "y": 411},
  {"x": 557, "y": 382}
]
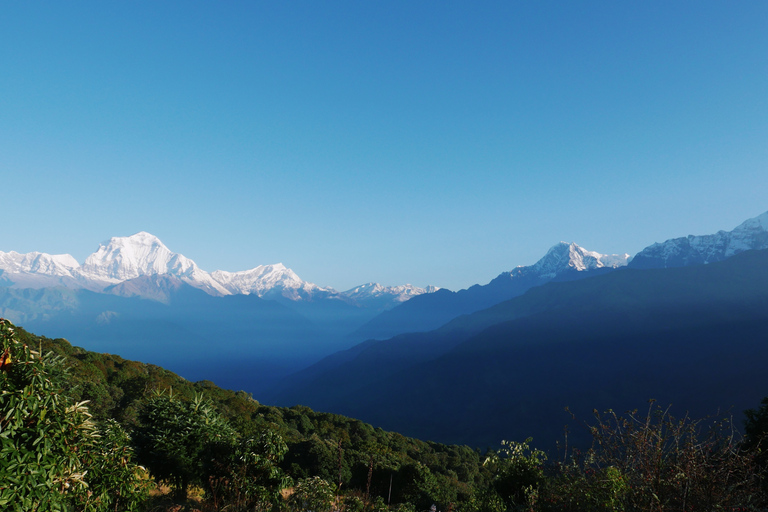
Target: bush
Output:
[
  {"x": 658, "y": 463},
  {"x": 52, "y": 456},
  {"x": 311, "y": 494},
  {"x": 177, "y": 439},
  {"x": 518, "y": 472},
  {"x": 247, "y": 476}
]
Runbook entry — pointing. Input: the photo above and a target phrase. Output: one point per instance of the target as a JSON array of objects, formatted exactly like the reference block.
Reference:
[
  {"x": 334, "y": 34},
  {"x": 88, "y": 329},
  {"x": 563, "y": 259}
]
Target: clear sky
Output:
[{"x": 423, "y": 142}]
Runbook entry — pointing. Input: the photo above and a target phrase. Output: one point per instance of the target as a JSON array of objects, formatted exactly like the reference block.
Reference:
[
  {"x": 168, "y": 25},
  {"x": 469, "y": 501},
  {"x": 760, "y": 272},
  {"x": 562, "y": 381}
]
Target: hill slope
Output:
[{"x": 694, "y": 336}]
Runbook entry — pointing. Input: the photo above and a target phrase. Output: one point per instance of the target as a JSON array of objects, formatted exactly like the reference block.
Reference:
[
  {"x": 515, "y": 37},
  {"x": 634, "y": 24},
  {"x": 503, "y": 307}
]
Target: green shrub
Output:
[
  {"x": 311, "y": 494},
  {"x": 246, "y": 475},
  {"x": 518, "y": 472},
  {"x": 52, "y": 456},
  {"x": 656, "y": 462},
  {"x": 177, "y": 439}
]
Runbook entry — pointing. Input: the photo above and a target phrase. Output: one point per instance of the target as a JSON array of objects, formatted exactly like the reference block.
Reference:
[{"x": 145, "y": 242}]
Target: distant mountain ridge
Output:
[
  {"x": 562, "y": 261},
  {"x": 277, "y": 322},
  {"x": 576, "y": 324},
  {"x": 143, "y": 255},
  {"x": 751, "y": 234},
  {"x": 692, "y": 336}
]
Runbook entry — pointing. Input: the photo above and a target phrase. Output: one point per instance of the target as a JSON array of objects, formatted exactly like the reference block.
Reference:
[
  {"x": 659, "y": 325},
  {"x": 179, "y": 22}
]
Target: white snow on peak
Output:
[
  {"x": 702, "y": 249},
  {"x": 564, "y": 256},
  {"x": 395, "y": 293},
  {"x": 267, "y": 280},
  {"x": 59, "y": 265},
  {"x": 759, "y": 223},
  {"x": 38, "y": 270},
  {"x": 128, "y": 257},
  {"x": 143, "y": 254}
]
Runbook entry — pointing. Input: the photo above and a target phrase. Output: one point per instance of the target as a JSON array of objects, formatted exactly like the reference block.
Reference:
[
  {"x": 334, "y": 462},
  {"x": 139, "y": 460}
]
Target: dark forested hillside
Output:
[
  {"x": 695, "y": 337},
  {"x": 75, "y": 423},
  {"x": 118, "y": 388}
]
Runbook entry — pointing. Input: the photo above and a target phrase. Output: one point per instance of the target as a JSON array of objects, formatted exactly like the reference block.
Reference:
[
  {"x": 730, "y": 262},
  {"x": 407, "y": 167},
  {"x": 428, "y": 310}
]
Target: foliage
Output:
[
  {"x": 51, "y": 454},
  {"x": 658, "y": 463},
  {"x": 518, "y": 472},
  {"x": 248, "y": 477},
  {"x": 319, "y": 444},
  {"x": 242, "y": 453},
  {"x": 177, "y": 438},
  {"x": 756, "y": 438},
  {"x": 311, "y": 494},
  {"x": 114, "y": 482}
]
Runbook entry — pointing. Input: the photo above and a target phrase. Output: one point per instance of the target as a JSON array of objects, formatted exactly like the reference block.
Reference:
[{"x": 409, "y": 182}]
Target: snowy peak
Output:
[
  {"x": 394, "y": 293},
  {"x": 59, "y": 265},
  {"x": 141, "y": 265},
  {"x": 268, "y": 280},
  {"x": 133, "y": 256},
  {"x": 38, "y": 270},
  {"x": 759, "y": 223},
  {"x": 143, "y": 254},
  {"x": 564, "y": 257},
  {"x": 702, "y": 249}
]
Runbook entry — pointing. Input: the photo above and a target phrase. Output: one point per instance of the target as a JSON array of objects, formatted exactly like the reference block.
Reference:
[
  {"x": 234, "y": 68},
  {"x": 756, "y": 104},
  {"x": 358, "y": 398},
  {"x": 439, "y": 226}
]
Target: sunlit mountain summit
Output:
[{"x": 143, "y": 255}]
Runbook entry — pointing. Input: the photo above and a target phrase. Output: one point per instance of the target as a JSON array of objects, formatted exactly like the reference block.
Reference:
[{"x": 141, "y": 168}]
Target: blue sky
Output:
[{"x": 424, "y": 142}]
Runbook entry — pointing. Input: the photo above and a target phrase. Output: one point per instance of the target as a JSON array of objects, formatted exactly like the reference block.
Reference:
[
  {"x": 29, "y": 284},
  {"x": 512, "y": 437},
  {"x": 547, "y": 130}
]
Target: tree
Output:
[
  {"x": 756, "y": 438},
  {"x": 177, "y": 439},
  {"x": 247, "y": 475},
  {"x": 518, "y": 471},
  {"x": 311, "y": 494}
]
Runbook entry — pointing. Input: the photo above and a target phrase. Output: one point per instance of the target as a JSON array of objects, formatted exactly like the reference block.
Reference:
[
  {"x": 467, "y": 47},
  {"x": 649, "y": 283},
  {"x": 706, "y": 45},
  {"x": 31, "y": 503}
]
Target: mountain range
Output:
[
  {"x": 692, "y": 335},
  {"x": 289, "y": 341},
  {"x": 123, "y": 259},
  {"x": 563, "y": 262},
  {"x": 670, "y": 325}
]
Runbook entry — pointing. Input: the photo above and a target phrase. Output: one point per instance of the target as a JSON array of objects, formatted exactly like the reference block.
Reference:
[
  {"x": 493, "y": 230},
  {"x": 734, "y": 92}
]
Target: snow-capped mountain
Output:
[
  {"x": 392, "y": 293},
  {"x": 696, "y": 250},
  {"x": 565, "y": 257},
  {"x": 140, "y": 265},
  {"x": 432, "y": 310},
  {"x": 143, "y": 254},
  {"x": 270, "y": 281},
  {"x": 38, "y": 263},
  {"x": 38, "y": 269}
]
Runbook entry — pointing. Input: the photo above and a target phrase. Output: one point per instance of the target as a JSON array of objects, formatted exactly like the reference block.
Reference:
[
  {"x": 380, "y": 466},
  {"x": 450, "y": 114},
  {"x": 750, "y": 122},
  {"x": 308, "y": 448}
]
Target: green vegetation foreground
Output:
[{"x": 94, "y": 432}]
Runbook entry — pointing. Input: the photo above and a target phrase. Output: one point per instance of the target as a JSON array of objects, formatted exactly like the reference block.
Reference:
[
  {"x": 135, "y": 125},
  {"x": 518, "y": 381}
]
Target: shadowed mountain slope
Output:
[
  {"x": 694, "y": 336},
  {"x": 563, "y": 262}
]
